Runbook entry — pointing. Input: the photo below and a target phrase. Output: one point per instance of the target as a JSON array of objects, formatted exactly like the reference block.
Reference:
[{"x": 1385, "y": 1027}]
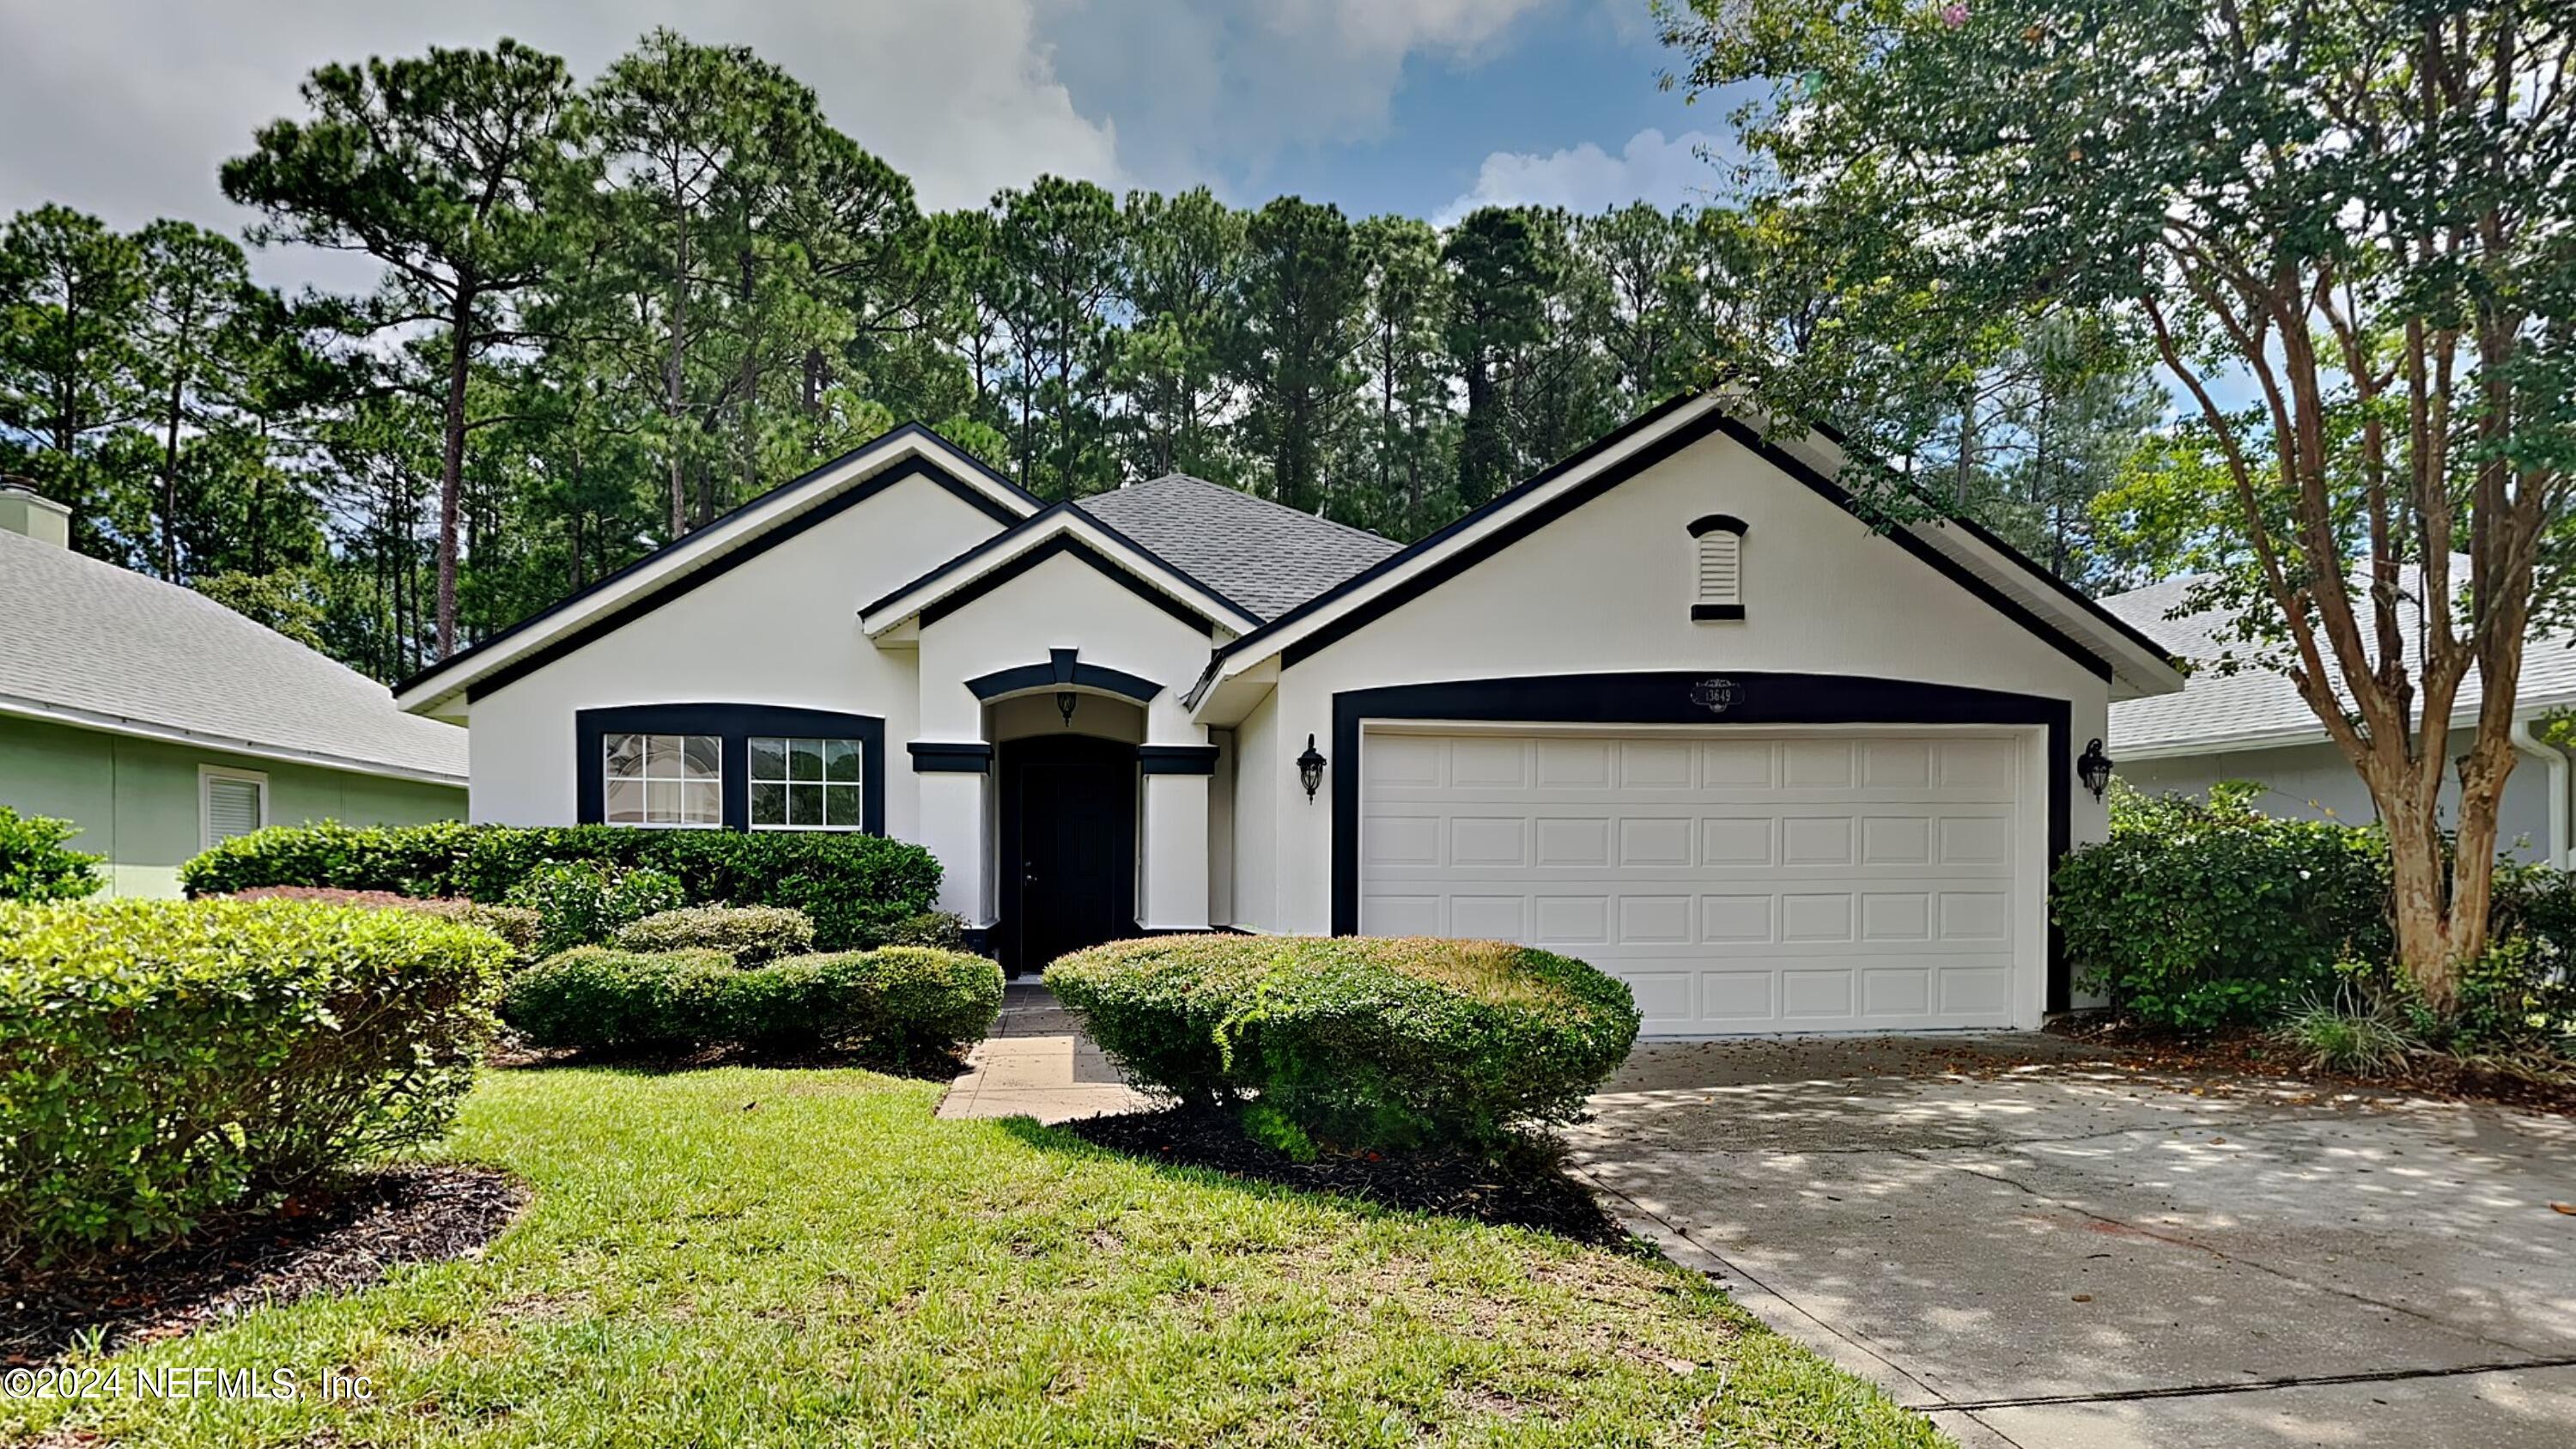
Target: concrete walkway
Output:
[
  {"x": 2038, "y": 1247},
  {"x": 1038, "y": 1064}
]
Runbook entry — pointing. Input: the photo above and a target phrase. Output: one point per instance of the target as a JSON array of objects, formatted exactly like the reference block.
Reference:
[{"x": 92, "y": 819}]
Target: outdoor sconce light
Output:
[
  {"x": 1310, "y": 769},
  {"x": 1065, "y": 700},
  {"x": 2094, "y": 768}
]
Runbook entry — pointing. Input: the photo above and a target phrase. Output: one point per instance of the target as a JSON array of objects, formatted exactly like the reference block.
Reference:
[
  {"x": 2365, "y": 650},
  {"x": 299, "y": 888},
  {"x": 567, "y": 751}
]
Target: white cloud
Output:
[
  {"x": 1666, "y": 171},
  {"x": 127, "y": 107}
]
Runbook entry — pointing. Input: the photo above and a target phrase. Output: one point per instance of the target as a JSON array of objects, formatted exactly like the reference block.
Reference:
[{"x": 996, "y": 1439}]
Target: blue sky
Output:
[{"x": 127, "y": 107}]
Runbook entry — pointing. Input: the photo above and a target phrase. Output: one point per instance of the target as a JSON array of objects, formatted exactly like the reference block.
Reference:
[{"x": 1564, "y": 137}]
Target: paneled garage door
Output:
[{"x": 1741, "y": 883}]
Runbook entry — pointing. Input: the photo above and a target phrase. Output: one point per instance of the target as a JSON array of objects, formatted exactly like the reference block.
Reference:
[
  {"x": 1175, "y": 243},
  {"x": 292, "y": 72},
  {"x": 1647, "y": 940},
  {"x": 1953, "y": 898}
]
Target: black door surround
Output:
[{"x": 1065, "y": 859}]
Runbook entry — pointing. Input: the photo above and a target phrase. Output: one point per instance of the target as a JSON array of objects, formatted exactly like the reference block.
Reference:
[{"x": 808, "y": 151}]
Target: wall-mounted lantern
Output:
[
  {"x": 1065, "y": 700},
  {"x": 2094, "y": 768},
  {"x": 1310, "y": 769}
]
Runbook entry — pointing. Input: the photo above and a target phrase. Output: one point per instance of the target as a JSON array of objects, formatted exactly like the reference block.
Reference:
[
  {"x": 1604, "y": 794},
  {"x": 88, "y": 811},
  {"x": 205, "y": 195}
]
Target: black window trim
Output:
[{"x": 734, "y": 725}]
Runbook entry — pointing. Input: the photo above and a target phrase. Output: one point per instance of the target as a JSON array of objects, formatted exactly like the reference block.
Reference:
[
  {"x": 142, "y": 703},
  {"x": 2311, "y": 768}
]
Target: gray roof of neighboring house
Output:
[
  {"x": 2257, "y": 706},
  {"x": 1264, "y": 556},
  {"x": 88, "y": 642}
]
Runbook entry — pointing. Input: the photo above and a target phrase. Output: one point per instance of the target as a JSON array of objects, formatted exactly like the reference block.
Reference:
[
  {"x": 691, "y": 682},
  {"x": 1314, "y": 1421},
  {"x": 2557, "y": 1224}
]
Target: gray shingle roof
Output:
[
  {"x": 92, "y": 640},
  {"x": 1266, "y": 557},
  {"x": 2259, "y": 704}
]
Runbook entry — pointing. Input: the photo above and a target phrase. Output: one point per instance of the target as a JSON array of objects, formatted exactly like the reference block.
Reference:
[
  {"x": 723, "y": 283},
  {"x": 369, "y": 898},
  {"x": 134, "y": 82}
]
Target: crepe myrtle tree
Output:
[{"x": 2348, "y": 228}]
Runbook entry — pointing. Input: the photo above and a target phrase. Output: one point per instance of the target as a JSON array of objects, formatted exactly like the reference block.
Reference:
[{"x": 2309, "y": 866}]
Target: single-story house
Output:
[
  {"x": 161, "y": 722},
  {"x": 2252, "y": 725},
  {"x": 1668, "y": 706}
]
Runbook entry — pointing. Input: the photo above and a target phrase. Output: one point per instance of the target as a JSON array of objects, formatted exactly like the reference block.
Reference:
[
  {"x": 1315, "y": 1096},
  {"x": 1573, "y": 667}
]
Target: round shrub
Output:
[
  {"x": 36, "y": 866},
  {"x": 943, "y": 929},
  {"x": 898, "y": 1001},
  {"x": 598, "y": 998},
  {"x": 584, "y": 902},
  {"x": 1362, "y": 1042},
  {"x": 164, "y": 1061},
  {"x": 2200, "y": 915},
  {"x": 748, "y": 934}
]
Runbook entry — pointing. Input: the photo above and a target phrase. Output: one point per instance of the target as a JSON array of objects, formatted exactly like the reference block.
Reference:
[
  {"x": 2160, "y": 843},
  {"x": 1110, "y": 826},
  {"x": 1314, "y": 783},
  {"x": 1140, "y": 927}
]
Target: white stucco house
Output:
[
  {"x": 1668, "y": 706},
  {"x": 2252, "y": 725}
]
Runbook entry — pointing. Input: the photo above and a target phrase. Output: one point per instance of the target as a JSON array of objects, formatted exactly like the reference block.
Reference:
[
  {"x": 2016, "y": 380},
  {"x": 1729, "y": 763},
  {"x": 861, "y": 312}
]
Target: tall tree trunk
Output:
[
  {"x": 170, "y": 485},
  {"x": 451, "y": 463}
]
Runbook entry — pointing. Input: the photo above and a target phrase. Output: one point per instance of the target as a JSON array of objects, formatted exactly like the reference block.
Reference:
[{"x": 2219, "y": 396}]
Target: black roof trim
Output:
[
  {"x": 1716, "y": 522},
  {"x": 954, "y": 485},
  {"x": 1060, "y": 670},
  {"x": 1009, "y": 536}
]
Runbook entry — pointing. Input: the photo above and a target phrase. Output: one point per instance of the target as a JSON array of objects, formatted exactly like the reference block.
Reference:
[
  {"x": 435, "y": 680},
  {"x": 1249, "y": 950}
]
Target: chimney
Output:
[{"x": 24, "y": 510}]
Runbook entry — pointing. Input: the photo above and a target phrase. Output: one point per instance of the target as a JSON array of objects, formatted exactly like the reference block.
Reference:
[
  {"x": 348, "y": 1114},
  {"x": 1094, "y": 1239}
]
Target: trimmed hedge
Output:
[
  {"x": 748, "y": 934},
  {"x": 517, "y": 925},
  {"x": 584, "y": 902},
  {"x": 1358, "y": 1041},
  {"x": 164, "y": 1061},
  {"x": 854, "y": 887},
  {"x": 897, "y": 1000}
]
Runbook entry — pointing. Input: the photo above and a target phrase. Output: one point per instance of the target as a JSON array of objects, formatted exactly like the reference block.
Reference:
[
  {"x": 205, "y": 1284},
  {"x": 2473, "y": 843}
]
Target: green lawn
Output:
[{"x": 832, "y": 1266}]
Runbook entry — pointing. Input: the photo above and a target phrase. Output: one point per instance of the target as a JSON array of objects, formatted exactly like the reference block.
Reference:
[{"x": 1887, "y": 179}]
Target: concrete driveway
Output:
[{"x": 2041, "y": 1246}]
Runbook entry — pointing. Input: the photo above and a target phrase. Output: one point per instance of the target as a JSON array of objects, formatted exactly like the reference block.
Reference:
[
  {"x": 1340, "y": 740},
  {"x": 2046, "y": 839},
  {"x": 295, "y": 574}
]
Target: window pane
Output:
[
  {"x": 662, "y": 802},
  {"x": 768, "y": 758},
  {"x": 661, "y": 757},
  {"x": 702, "y": 758},
  {"x": 625, "y": 802},
  {"x": 704, "y": 802},
  {"x": 842, "y": 807},
  {"x": 625, "y": 757},
  {"x": 805, "y": 804},
  {"x": 842, "y": 761},
  {"x": 805, "y": 759},
  {"x": 768, "y": 804}
]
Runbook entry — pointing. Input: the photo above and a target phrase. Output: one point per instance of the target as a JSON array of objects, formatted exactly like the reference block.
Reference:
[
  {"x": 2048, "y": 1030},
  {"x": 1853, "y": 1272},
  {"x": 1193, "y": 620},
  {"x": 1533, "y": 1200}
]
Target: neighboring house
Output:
[
  {"x": 160, "y": 721},
  {"x": 1668, "y": 706},
  {"x": 2252, "y": 725}
]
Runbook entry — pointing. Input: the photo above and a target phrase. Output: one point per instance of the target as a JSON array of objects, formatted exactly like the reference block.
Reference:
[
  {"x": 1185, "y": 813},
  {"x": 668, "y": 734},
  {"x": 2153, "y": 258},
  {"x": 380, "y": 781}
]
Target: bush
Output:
[
  {"x": 600, "y": 998},
  {"x": 943, "y": 929},
  {"x": 748, "y": 934},
  {"x": 854, "y": 887},
  {"x": 517, "y": 925},
  {"x": 2349, "y": 1034},
  {"x": 2194, "y": 916},
  {"x": 898, "y": 1000},
  {"x": 584, "y": 902},
  {"x": 1361, "y": 1042},
  {"x": 164, "y": 1061},
  {"x": 34, "y": 866}
]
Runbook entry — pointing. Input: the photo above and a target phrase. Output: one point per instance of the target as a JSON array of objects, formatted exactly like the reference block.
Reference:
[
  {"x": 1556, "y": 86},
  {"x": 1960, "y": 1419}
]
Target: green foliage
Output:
[
  {"x": 1279, "y": 1132},
  {"x": 164, "y": 1061},
  {"x": 900, "y": 1001},
  {"x": 854, "y": 887},
  {"x": 748, "y": 934},
  {"x": 2198, "y": 915},
  {"x": 2346, "y": 1036},
  {"x": 35, "y": 866},
  {"x": 584, "y": 902},
  {"x": 943, "y": 929},
  {"x": 520, "y": 926},
  {"x": 1358, "y": 1041},
  {"x": 600, "y": 998}
]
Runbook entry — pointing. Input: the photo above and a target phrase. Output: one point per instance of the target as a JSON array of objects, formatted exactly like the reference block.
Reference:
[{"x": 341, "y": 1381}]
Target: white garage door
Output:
[{"x": 1739, "y": 883}]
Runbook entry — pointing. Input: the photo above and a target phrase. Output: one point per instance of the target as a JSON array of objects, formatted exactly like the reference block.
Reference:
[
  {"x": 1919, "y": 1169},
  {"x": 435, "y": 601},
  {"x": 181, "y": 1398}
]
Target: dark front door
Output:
[{"x": 1068, "y": 846}]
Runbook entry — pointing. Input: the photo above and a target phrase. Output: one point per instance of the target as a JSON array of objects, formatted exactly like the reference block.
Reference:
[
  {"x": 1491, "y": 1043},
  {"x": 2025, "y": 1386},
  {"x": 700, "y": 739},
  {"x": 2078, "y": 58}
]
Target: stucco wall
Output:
[
  {"x": 136, "y": 800},
  {"x": 2317, "y": 782},
  {"x": 1608, "y": 588},
  {"x": 780, "y": 629}
]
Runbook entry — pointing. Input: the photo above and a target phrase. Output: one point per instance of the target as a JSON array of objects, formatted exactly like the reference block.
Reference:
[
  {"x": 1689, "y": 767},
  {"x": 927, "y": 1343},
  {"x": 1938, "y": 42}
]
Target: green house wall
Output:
[{"x": 136, "y": 800}]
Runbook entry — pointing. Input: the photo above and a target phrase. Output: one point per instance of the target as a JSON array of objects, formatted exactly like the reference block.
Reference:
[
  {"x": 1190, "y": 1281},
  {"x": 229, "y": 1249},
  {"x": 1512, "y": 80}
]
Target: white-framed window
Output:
[
  {"x": 1719, "y": 579},
  {"x": 808, "y": 784},
  {"x": 230, "y": 802},
  {"x": 671, "y": 781}
]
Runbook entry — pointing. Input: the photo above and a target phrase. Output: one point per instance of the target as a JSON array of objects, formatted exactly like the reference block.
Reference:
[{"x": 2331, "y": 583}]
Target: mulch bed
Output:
[
  {"x": 2251, "y": 1054},
  {"x": 1529, "y": 1193},
  {"x": 375, "y": 1223}
]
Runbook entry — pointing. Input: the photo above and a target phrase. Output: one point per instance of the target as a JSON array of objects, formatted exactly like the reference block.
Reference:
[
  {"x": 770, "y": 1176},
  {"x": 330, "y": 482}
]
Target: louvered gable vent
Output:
[{"x": 1720, "y": 540}]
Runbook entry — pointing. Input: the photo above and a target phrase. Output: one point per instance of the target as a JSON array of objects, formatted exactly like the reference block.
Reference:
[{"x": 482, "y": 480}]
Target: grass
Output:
[{"x": 749, "y": 1257}]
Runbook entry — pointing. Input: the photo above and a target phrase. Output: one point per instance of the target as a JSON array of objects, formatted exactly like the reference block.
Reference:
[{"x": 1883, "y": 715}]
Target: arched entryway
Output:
[{"x": 1067, "y": 846}]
